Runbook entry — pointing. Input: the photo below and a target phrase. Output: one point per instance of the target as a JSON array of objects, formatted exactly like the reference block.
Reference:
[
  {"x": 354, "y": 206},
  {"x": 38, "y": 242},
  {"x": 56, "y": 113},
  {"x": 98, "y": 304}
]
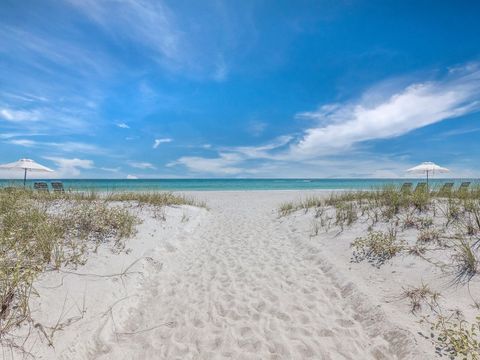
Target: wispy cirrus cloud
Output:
[
  {"x": 158, "y": 142},
  {"x": 123, "y": 125},
  {"x": 338, "y": 129},
  {"x": 61, "y": 118},
  {"x": 149, "y": 23},
  {"x": 174, "y": 42},
  {"x": 142, "y": 165},
  {"x": 17, "y": 116},
  {"x": 231, "y": 161},
  {"x": 224, "y": 164},
  {"x": 67, "y": 146},
  {"x": 342, "y": 126}
]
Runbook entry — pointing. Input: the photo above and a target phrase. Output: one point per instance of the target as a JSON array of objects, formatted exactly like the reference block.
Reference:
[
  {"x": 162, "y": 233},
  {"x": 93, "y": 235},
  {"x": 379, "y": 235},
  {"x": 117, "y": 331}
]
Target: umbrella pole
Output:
[{"x": 25, "y": 178}]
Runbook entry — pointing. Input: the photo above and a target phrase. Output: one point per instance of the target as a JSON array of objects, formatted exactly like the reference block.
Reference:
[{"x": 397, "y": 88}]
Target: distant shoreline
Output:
[{"x": 120, "y": 185}]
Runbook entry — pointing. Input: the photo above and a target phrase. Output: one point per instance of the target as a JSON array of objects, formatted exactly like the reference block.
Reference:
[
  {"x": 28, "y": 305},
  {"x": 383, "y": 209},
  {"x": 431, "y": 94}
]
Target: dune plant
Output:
[
  {"x": 421, "y": 295},
  {"x": 286, "y": 208},
  {"x": 466, "y": 263},
  {"x": 455, "y": 337},
  {"x": 376, "y": 247},
  {"x": 428, "y": 236},
  {"x": 41, "y": 231}
]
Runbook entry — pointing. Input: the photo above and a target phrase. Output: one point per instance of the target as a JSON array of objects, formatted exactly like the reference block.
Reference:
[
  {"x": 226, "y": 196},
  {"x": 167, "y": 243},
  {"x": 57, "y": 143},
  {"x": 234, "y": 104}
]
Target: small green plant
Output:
[
  {"x": 409, "y": 221},
  {"x": 376, "y": 247},
  {"x": 425, "y": 223},
  {"x": 421, "y": 295},
  {"x": 455, "y": 337},
  {"x": 428, "y": 236}
]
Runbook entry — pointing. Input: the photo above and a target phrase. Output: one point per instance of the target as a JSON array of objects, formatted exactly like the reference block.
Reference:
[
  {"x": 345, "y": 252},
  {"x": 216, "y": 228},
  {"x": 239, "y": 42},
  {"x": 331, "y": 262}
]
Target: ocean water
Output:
[{"x": 108, "y": 185}]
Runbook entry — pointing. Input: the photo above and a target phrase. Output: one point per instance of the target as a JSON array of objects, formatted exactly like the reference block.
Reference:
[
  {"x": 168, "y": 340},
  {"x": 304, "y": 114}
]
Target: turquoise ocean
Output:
[{"x": 228, "y": 184}]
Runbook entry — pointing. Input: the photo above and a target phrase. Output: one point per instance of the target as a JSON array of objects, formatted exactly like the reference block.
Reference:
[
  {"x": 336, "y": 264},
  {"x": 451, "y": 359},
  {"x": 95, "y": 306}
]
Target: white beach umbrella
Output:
[
  {"x": 26, "y": 165},
  {"x": 428, "y": 168}
]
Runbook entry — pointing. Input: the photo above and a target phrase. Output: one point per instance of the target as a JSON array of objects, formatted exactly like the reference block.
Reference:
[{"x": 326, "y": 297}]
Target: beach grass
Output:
[
  {"x": 42, "y": 231},
  {"x": 442, "y": 229}
]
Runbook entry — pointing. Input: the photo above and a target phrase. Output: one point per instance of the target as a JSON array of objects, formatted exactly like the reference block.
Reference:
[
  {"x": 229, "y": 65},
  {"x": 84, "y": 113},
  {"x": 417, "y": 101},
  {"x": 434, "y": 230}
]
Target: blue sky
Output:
[{"x": 147, "y": 89}]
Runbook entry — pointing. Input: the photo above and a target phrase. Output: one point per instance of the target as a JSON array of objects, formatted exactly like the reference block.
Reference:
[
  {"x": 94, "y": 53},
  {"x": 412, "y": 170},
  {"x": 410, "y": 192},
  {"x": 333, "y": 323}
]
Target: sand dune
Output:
[{"x": 237, "y": 283}]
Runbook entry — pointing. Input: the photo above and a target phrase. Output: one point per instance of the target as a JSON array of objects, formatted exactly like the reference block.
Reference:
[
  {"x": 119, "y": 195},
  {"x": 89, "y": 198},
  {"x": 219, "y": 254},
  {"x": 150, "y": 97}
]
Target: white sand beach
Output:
[{"x": 235, "y": 281}]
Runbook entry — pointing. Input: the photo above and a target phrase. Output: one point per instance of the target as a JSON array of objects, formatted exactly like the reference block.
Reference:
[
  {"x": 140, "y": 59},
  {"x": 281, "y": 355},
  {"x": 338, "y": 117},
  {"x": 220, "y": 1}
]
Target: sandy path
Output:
[{"x": 244, "y": 287}]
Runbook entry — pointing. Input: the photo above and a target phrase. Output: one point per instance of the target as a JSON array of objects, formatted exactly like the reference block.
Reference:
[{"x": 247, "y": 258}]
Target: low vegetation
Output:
[
  {"x": 376, "y": 247},
  {"x": 45, "y": 231},
  {"x": 454, "y": 337},
  {"x": 440, "y": 228},
  {"x": 421, "y": 296}
]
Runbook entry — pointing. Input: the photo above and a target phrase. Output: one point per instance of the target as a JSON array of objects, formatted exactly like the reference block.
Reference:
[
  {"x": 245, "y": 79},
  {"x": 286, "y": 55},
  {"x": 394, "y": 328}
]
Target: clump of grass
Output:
[
  {"x": 455, "y": 337},
  {"x": 409, "y": 221},
  {"x": 155, "y": 198},
  {"x": 465, "y": 261},
  {"x": 425, "y": 223},
  {"x": 41, "y": 231},
  {"x": 97, "y": 222},
  {"x": 421, "y": 295},
  {"x": 420, "y": 200},
  {"x": 310, "y": 202},
  {"x": 376, "y": 247},
  {"x": 346, "y": 214},
  {"x": 428, "y": 236},
  {"x": 286, "y": 208}
]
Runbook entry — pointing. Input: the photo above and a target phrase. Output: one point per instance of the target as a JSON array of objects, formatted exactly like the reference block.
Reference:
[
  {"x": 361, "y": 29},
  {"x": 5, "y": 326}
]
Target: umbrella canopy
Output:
[
  {"x": 26, "y": 165},
  {"x": 428, "y": 168}
]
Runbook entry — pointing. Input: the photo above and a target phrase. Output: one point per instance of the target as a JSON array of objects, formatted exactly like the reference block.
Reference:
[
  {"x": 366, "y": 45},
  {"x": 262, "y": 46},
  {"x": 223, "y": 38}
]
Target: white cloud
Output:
[
  {"x": 142, "y": 165},
  {"x": 342, "y": 126},
  {"x": 68, "y": 146},
  {"x": 132, "y": 177},
  {"x": 157, "y": 142},
  {"x": 222, "y": 165},
  {"x": 262, "y": 151},
  {"x": 23, "y": 142},
  {"x": 457, "y": 132},
  {"x": 338, "y": 129},
  {"x": 231, "y": 161},
  {"x": 150, "y": 23},
  {"x": 69, "y": 118},
  {"x": 123, "y": 125},
  {"x": 13, "y": 115},
  {"x": 109, "y": 169},
  {"x": 70, "y": 167},
  {"x": 173, "y": 40}
]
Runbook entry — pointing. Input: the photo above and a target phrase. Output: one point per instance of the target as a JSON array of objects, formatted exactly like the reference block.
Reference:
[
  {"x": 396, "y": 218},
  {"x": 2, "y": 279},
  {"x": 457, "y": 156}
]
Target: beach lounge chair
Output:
[
  {"x": 406, "y": 187},
  {"x": 421, "y": 187},
  {"x": 57, "y": 186},
  {"x": 446, "y": 189},
  {"x": 464, "y": 186},
  {"x": 41, "y": 186}
]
